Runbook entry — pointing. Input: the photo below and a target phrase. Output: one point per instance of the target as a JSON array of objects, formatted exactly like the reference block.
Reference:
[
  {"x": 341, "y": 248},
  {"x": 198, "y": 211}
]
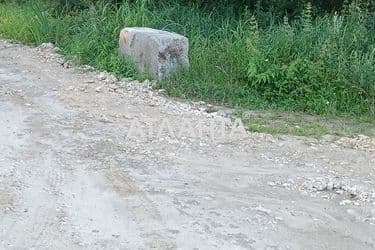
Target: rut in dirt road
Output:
[{"x": 72, "y": 178}]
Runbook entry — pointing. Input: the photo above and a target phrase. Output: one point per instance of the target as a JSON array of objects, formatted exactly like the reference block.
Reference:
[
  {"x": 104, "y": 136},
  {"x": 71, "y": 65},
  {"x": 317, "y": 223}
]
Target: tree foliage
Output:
[{"x": 276, "y": 7}]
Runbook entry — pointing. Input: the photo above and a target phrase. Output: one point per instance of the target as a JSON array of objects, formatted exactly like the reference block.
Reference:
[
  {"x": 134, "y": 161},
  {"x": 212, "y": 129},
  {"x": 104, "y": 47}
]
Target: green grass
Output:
[
  {"x": 322, "y": 66},
  {"x": 302, "y": 124}
]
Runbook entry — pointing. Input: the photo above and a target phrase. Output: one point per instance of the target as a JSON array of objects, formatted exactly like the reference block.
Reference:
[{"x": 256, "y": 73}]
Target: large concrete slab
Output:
[{"x": 156, "y": 52}]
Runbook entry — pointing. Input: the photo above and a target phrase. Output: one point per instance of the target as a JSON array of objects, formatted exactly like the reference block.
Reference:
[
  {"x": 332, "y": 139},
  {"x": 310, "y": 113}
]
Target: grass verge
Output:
[
  {"x": 323, "y": 65},
  {"x": 302, "y": 124}
]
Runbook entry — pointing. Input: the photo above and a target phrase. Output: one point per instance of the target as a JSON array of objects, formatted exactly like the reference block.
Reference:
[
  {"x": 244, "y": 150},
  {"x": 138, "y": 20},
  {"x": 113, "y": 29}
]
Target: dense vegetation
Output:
[{"x": 292, "y": 55}]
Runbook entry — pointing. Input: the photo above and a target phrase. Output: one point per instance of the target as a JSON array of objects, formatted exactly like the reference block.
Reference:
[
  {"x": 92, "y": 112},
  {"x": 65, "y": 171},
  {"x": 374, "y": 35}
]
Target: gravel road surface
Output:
[{"x": 88, "y": 161}]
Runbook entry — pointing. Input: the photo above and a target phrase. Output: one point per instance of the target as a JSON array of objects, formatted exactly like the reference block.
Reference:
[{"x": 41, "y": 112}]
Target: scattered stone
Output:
[
  {"x": 151, "y": 104},
  {"x": 263, "y": 210},
  {"x": 110, "y": 79},
  {"x": 211, "y": 109},
  {"x": 345, "y": 202},
  {"x": 104, "y": 119},
  {"x": 339, "y": 191},
  {"x": 47, "y": 47},
  {"x": 271, "y": 183},
  {"x": 87, "y": 68},
  {"x": 127, "y": 79},
  {"x": 83, "y": 88},
  {"x": 113, "y": 87},
  {"x": 66, "y": 65},
  {"x": 361, "y": 142},
  {"x": 330, "y": 186},
  {"x": 102, "y": 76}
]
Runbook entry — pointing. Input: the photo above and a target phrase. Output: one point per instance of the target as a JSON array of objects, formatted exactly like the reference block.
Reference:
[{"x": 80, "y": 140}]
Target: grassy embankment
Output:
[{"x": 323, "y": 65}]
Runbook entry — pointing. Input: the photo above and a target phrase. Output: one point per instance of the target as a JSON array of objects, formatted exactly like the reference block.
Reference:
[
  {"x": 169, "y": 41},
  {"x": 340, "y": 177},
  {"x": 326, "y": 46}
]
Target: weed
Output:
[{"x": 324, "y": 65}]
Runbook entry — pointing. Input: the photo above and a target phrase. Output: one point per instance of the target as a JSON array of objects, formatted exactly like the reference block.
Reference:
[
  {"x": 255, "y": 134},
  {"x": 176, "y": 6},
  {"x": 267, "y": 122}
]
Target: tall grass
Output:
[{"x": 322, "y": 65}]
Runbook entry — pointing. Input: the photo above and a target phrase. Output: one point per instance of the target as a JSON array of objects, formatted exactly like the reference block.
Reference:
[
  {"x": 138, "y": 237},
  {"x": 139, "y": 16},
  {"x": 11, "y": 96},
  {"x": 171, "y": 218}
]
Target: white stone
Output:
[
  {"x": 155, "y": 52},
  {"x": 330, "y": 186},
  {"x": 345, "y": 202},
  {"x": 111, "y": 79},
  {"x": 102, "y": 76},
  {"x": 271, "y": 183}
]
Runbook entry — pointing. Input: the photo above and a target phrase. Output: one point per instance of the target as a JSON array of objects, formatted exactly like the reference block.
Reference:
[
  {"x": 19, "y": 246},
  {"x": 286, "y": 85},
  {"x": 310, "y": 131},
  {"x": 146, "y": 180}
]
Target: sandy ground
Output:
[{"x": 90, "y": 162}]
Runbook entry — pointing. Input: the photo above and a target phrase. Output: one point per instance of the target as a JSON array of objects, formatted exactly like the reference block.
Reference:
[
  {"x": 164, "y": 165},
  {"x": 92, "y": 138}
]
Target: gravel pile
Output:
[
  {"x": 330, "y": 188},
  {"x": 361, "y": 142}
]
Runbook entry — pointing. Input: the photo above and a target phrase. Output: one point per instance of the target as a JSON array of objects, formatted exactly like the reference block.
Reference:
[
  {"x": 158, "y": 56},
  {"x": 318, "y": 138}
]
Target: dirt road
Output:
[{"x": 88, "y": 162}]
